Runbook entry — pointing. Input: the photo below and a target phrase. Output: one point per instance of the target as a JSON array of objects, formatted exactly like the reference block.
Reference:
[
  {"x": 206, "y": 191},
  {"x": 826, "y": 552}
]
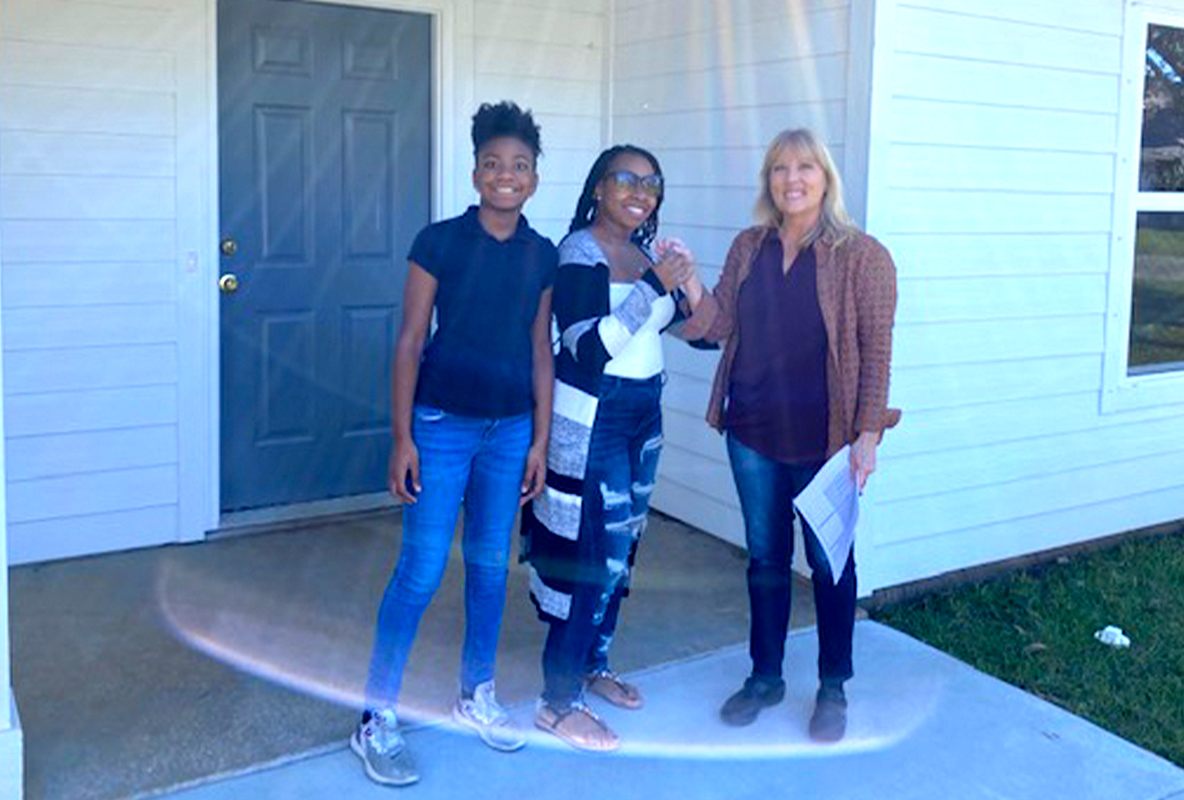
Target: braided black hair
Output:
[
  {"x": 586, "y": 207},
  {"x": 493, "y": 121}
]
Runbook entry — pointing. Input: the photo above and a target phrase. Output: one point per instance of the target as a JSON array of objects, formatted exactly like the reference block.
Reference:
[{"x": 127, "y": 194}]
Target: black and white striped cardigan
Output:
[{"x": 562, "y": 558}]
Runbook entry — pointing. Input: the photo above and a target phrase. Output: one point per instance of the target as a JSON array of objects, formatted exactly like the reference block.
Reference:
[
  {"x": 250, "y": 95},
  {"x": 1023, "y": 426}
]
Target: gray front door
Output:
[{"x": 324, "y": 118}]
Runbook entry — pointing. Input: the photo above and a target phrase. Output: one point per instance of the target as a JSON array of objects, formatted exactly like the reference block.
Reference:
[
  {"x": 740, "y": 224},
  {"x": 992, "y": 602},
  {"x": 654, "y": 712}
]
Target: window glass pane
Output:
[
  {"x": 1161, "y": 163},
  {"x": 1157, "y": 304}
]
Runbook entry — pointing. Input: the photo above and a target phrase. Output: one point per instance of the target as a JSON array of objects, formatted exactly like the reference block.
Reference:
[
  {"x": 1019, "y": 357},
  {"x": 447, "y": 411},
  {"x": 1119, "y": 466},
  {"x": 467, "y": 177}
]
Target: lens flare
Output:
[{"x": 253, "y": 626}]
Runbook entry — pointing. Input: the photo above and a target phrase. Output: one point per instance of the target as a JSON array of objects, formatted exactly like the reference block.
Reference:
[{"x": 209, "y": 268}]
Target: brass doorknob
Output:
[
  {"x": 228, "y": 283},
  {"x": 228, "y": 247}
]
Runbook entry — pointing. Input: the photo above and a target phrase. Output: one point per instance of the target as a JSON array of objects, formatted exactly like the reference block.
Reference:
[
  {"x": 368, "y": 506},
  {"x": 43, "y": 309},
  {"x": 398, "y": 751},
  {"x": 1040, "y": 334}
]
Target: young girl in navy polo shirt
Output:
[{"x": 472, "y": 413}]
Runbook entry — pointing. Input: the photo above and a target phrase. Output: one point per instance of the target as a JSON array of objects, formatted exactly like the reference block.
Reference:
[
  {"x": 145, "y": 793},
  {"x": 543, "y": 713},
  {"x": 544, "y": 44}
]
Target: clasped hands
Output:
[{"x": 676, "y": 268}]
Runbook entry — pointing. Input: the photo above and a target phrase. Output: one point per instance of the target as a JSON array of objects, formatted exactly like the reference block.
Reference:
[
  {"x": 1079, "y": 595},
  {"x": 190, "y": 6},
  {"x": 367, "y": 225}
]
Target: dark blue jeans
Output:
[
  {"x": 619, "y": 479},
  {"x": 767, "y": 488}
]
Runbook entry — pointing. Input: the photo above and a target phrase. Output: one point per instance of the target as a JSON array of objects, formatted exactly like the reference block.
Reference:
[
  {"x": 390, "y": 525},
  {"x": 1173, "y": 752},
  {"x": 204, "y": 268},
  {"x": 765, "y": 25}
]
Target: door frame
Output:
[{"x": 199, "y": 305}]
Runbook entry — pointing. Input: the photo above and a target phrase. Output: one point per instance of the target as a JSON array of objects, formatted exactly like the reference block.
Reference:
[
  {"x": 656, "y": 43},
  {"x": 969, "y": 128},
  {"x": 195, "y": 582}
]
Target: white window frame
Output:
[{"x": 1122, "y": 391}]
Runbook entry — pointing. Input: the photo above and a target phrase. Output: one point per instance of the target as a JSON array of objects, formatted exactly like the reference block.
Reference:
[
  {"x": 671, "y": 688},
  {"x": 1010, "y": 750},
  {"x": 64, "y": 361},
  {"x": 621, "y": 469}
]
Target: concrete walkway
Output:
[{"x": 922, "y": 725}]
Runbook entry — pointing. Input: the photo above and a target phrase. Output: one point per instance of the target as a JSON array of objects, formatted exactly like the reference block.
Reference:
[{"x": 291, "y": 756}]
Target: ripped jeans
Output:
[{"x": 619, "y": 479}]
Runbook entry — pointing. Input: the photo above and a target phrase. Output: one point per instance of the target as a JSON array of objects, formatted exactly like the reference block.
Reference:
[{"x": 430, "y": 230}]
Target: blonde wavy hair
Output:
[{"x": 834, "y": 224}]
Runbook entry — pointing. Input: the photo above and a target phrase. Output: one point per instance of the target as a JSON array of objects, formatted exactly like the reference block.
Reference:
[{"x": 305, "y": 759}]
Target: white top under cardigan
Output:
[{"x": 641, "y": 358}]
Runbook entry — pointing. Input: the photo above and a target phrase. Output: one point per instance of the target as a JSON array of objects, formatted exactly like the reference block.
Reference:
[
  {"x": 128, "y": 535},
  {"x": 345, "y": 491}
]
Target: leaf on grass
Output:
[
  {"x": 1035, "y": 647},
  {"x": 1052, "y": 698}
]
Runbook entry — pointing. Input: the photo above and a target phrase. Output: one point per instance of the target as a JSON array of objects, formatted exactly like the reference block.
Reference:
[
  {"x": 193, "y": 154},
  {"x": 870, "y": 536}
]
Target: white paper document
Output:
[{"x": 830, "y": 504}]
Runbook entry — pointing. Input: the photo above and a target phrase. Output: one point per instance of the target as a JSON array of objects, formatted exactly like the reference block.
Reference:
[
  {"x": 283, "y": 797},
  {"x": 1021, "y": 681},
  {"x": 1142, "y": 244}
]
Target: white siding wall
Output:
[
  {"x": 548, "y": 56},
  {"x": 705, "y": 85},
  {"x": 89, "y": 246},
  {"x": 11, "y": 738},
  {"x": 993, "y": 179}
]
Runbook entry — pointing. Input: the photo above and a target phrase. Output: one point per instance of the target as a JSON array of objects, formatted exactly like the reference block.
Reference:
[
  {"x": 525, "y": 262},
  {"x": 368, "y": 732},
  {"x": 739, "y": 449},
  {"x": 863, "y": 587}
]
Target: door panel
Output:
[
  {"x": 367, "y": 409},
  {"x": 283, "y": 168},
  {"x": 324, "y": 128},
  {"x": 287, "y": 396},
  {"x": 369, "y": 174}
]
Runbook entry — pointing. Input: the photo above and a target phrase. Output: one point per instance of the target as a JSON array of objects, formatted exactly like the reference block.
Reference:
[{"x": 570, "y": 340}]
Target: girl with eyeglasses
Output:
[{"x": 615, "y": 292}]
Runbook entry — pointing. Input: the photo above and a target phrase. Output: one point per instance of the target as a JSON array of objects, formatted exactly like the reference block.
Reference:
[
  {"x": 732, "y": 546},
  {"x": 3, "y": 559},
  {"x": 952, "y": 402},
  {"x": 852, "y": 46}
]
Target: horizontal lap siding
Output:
[
  {"x": 77, "y": 535},
  {"x": 88, "y": 244},
  {"x": 998, "y": 191},
  {"x": 706, "y": 90},
  {"x": 547, "y": 56}
]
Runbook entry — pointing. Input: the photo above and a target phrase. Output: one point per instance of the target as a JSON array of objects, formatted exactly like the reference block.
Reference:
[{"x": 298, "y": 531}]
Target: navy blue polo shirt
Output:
[{"x": 479, "y": 361}]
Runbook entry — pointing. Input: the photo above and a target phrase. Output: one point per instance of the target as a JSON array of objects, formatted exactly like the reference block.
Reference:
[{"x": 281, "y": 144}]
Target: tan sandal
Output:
[
  {"x": 613, "y": 688},
  {"x": 579, "y": 726}
]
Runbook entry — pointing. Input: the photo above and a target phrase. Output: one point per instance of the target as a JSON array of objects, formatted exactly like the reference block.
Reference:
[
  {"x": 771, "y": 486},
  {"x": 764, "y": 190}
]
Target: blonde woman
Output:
[{"x": 804, "y": 309}]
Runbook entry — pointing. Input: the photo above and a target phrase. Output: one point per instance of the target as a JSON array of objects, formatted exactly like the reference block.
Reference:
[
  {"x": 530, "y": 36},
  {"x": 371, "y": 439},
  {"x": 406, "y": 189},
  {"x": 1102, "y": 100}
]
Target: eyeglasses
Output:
[{"x": 631, "y": 182}]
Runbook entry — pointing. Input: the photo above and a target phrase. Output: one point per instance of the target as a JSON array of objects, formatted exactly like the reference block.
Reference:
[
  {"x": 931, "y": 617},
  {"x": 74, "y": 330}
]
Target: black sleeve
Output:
[{"x": 581, "y": 299}]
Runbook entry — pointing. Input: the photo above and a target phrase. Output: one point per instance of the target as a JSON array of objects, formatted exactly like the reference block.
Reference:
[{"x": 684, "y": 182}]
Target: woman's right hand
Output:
[
  {"x": 403, "y": 471},
  {"x": 676, "y": 268},
  {"x": 694, "y": 289},
  {"x": 692, "y": 285}
]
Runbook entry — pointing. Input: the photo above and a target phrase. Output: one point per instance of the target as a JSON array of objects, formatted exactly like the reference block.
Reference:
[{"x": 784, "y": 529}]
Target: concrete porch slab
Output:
[{"x": 923, "y": 726}]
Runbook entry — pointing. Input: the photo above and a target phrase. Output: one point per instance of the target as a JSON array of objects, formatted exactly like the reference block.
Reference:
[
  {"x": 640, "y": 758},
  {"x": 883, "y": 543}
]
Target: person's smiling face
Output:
[
  {"x": 504, "y": 175},
  {"x": 629, "y": 192},
  {"x": 797, "y": 184}
]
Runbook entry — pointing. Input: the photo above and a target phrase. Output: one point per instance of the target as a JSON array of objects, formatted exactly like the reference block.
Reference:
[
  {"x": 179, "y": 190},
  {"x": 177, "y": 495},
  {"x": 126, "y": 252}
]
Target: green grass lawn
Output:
[{"x": 1034, "y": 629}]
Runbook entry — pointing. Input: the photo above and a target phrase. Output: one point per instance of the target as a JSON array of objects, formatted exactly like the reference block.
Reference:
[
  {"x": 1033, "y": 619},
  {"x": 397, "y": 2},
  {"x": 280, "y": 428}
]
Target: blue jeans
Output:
[
  {"x": 479, "y": 462},
  {"x": 767, "y": 488},
  {"x": 618, "y": 481}
]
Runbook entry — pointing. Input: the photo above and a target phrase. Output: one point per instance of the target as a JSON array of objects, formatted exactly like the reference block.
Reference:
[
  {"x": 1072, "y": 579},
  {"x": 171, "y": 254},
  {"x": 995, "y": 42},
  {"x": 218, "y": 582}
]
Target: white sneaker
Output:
[
  {"x": 485, "y": 715},
  {"x": 384, "y": 754}
]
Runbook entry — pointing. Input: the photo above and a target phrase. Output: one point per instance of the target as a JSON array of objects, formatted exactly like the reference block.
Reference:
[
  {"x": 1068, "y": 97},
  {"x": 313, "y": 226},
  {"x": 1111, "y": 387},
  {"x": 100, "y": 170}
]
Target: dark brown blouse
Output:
[{"x": 777, "y": 398}]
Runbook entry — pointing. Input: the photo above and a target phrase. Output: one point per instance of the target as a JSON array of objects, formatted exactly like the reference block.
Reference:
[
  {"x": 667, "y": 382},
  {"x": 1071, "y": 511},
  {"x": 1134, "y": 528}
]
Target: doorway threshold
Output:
[{"x": 237, "y": 523}]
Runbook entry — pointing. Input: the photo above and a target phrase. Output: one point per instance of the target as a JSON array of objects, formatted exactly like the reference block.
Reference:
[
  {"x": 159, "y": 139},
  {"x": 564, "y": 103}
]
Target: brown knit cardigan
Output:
[{"x": 857, "y": 296}]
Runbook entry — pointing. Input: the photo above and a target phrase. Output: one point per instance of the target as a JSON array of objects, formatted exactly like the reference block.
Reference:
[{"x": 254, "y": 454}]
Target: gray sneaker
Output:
[
  {"x": 485, "y": 715},
  {"x": 383, "y": 751}
]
